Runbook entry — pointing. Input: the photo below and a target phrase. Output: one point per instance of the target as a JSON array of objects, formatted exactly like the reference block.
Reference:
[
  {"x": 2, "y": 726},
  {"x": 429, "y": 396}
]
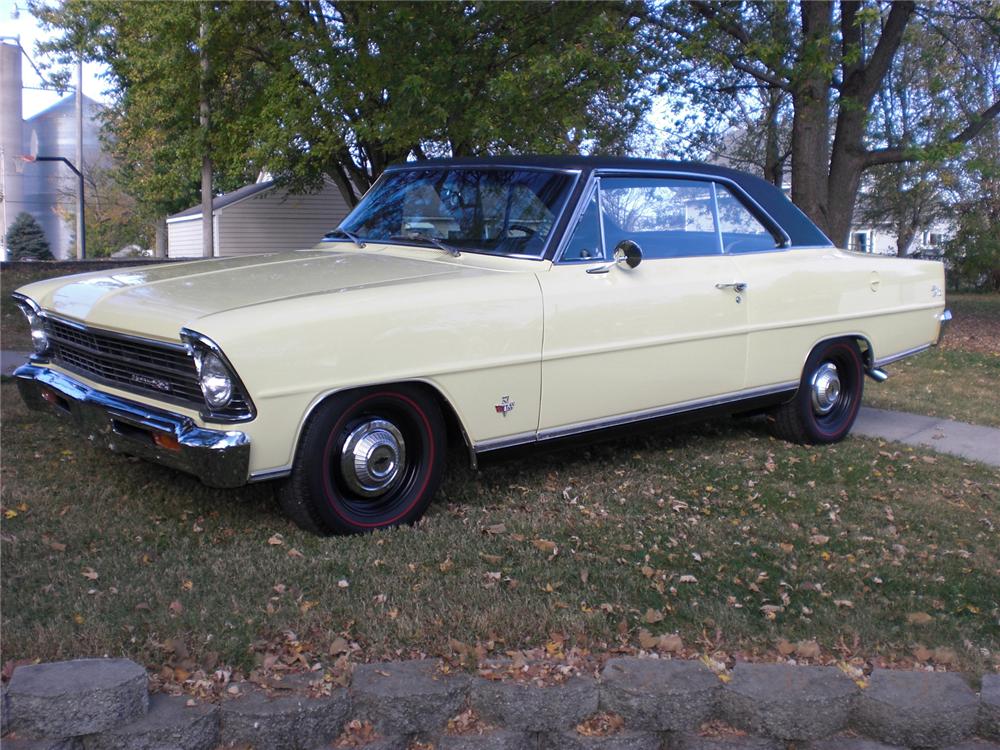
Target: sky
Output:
[{"x": 16, "y": 21}]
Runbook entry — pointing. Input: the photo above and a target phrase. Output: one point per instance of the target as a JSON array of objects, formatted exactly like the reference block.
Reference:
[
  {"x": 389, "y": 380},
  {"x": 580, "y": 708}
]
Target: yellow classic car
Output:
[{"x": 500, "y": 302}]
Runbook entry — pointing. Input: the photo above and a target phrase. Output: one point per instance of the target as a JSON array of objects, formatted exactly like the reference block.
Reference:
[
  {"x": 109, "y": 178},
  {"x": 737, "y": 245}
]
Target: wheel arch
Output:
[
  {"x": 454, "y": 425},
  {"x": 861, "y": 339}
]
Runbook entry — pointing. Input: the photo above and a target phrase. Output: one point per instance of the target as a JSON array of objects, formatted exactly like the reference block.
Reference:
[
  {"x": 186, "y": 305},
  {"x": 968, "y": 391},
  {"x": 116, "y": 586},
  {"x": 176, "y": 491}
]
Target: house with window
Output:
[{"x": 881, "y": 240}]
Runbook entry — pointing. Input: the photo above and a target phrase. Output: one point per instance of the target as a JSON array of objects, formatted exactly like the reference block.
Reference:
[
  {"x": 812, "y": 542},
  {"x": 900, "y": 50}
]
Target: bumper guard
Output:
[{"x": 219, "y": 458}]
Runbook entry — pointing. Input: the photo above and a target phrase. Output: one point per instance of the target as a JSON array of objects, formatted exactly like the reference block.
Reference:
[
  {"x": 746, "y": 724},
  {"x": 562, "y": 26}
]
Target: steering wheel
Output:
[{"x": 527, "y": 231}]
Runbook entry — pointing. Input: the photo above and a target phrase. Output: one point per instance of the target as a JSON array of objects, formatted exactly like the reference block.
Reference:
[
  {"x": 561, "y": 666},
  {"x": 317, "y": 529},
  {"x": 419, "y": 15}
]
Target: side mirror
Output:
[{"x": 629, "y": 253}]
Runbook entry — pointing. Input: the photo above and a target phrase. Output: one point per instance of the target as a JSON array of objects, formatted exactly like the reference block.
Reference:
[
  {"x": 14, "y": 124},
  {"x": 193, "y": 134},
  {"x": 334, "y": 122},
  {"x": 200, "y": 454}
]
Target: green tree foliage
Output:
[
  {"x": 338, "y": 90},
  {"x": 826, "y": 62},
  {"x": 26, "y": 239}
]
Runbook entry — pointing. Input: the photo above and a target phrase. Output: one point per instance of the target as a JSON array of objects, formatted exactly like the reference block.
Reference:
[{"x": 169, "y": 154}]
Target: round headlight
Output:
[
  {"x": 215, "y": 381},
  {"x": 39, "y": 338}
]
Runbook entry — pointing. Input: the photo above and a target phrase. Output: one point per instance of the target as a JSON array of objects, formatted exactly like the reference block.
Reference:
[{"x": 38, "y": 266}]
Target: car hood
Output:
[{"x": 158, "y": 300}]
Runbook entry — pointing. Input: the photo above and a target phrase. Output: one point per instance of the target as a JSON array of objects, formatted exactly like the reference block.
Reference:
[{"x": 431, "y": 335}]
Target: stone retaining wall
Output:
[{"x": 654, "y": 704}]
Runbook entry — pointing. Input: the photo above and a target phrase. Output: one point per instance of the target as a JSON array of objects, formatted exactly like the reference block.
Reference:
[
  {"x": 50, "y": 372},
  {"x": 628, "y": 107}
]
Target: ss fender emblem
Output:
[{"x": 505, "y": 406}]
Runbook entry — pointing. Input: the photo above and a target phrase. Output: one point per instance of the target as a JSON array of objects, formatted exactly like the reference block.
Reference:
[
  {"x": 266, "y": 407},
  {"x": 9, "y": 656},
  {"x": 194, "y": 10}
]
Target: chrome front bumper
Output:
[{"x": 219, "y": 458}]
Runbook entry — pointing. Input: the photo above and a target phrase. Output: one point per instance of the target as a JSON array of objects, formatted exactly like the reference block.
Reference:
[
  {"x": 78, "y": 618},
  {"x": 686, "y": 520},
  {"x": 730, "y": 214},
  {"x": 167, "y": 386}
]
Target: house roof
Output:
[{"x": 226, "y": 199}]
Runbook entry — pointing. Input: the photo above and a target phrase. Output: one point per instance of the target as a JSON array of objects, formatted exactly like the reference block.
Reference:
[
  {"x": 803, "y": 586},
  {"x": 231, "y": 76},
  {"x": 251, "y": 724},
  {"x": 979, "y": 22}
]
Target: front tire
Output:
[
  {"x": 828, "y": 399},
  {"x": 368, "y": 459}
]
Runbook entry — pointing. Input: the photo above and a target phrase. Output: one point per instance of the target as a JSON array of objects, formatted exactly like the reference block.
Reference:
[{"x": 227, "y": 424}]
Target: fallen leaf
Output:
[
  {"x": 787, "y": 548},
  {"x": 844, "y": 603},
  {"x": 647, "y": 640},
  {"x": 584, "y": 576},
  {"x": 176, "y": 607},
  {"x": 687, "y": 579},
  {"x": 339, "y": 646},
  {"x": 945, "y": 656},
  {"x": 670, "y": 644},
  {"x": 294, "y": 553},
  {"x": 275, "y": 540},
  {"x": 187, "y": 585},
  {"x": 819, "y": 539},
  {"x": 545, "y": 545},
  {"x": 919, "y": 618},
  {"x": 652, "y": 616},
  {"x": 446, "y": 565},
  {"x": 497, "y": 528},
  {"x": 807, "y": 650},
  {"x": 343, "y": 583},
  {"x": 785, "y": 648},
  {"x": 90, "y": 574},
  {"x": 921, "y": 653}
]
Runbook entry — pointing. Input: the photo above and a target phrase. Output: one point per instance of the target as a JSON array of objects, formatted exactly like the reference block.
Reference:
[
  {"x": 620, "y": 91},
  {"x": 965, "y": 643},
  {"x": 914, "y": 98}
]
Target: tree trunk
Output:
[
  {"x": 207, "y": 218},
  {"x": 904, "y": 236},
  {"x": 773, "y": 164},
  {"x": 161, "y": 237},
  {"x": 811, "y": 119}
]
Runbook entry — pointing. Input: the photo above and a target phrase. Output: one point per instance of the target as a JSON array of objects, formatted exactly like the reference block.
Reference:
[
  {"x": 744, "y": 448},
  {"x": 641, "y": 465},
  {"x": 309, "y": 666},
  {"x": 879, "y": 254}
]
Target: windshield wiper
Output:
[
  {"x": 349, "y": 235},
  {"x": 453, "y": 251}
]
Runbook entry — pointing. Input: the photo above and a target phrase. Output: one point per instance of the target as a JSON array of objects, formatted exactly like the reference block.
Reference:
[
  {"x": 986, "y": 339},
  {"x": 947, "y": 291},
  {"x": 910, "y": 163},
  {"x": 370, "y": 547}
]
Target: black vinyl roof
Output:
[{"x": 799, "y": 228}]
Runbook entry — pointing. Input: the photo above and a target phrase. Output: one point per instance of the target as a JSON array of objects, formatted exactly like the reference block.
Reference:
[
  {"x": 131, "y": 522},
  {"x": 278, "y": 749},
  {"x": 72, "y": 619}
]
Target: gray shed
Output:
[{"x": 258, "y": 218}]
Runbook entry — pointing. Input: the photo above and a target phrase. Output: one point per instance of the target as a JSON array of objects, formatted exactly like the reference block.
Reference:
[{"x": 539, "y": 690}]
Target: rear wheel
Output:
[
  {"x": 828, "y": 399},
  {"x": 368, "y": 459}
]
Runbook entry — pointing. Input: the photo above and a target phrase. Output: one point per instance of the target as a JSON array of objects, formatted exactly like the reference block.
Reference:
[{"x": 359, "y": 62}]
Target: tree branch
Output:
[
  {"x": 864, "y": 81},
  {"x": 897, "y": 155}
]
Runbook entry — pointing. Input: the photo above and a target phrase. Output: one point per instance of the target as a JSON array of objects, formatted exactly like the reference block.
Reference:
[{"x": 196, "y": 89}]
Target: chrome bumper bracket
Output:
[{"x": 219, "y": 458}]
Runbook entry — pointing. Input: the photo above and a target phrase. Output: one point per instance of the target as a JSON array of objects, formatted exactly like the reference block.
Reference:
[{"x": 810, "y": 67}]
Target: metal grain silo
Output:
[{"x": 50, "y": 187}]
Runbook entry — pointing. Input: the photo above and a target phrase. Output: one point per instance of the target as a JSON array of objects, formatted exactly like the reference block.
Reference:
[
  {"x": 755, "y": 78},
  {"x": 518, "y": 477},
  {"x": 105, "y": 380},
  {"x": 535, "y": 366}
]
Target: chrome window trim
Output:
[
  {"x": 554, "y": 433},
  {"x": 589, "y": 187},
  {"x": 188, "y": 334},
  {"x": 715, "y": 218},
  {"x": 543, "y": 255},
  {"x": 738, "y": 192}
]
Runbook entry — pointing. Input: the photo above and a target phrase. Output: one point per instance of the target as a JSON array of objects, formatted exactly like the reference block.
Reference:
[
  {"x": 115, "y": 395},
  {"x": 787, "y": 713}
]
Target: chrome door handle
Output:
[{"x": 736, "y": 286}]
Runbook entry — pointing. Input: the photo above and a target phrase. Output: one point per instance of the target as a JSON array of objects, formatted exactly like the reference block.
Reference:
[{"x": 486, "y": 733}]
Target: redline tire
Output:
[
  {"x": 368, "y": 459},
  {"x": 818, "y": 414}
]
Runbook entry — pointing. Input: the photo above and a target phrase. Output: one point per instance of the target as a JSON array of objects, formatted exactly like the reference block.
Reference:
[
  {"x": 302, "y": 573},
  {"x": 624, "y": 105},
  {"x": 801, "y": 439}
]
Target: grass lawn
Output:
[{"x": 717, "y": 533}]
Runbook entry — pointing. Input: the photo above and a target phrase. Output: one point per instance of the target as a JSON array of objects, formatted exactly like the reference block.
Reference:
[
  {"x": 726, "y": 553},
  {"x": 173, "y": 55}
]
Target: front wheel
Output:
[
  {"x": 828, "y": 399},
  {"x": 368, "y": 459}
]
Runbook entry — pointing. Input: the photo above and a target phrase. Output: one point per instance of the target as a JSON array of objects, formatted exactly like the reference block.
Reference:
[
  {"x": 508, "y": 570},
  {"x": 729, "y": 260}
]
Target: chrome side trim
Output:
[
  {"x": 638, "y": 416},
  {"x": 219, "y": 458},
  {"x": 263, "y": 476},
  {"x": 901, "y": 355}
]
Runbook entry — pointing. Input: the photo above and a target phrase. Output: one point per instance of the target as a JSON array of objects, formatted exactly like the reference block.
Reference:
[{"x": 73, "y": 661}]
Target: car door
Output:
[{"x": 625, "y": 343}]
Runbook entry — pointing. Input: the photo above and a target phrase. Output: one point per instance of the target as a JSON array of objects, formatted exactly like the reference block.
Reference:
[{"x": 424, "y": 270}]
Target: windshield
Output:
[{"x": 488, "y": 210}]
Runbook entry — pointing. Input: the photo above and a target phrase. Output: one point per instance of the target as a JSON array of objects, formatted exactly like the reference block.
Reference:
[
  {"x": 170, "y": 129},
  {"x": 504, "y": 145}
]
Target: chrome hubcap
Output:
[
  {"x": 373, "y": 458},
  {"x": 825, "y": 388}
]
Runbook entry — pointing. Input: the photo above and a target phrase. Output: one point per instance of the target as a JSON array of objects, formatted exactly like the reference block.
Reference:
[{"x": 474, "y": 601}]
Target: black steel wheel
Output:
[
  {"x": 368, "y": 459},
  {"x": 828, "y": 399}
]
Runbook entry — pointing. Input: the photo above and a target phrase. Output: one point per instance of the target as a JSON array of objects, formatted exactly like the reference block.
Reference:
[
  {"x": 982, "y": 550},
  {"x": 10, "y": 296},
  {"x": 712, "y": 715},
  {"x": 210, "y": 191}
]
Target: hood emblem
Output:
[
  {"x": 150, "y": 382},
  {"x": 505, "y": 406}
]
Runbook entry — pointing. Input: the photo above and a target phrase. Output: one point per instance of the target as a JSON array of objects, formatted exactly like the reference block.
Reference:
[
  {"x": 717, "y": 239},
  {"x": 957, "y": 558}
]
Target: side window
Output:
[
  {"x": 667, "y": 217},
  {"x": 585, "y": 243},
  {"x": 741, "y": 231}
]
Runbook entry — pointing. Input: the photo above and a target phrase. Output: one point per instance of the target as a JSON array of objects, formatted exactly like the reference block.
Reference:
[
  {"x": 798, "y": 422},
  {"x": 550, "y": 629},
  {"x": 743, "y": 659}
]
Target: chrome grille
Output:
[{"x": 160, "y": 370}]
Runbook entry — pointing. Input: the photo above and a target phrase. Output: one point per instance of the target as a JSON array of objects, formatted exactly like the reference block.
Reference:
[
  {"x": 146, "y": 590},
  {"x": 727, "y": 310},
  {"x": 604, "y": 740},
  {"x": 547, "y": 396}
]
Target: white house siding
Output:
[
  {"x": 184, "y": 238},
  {"x": 274, "y": 221}
]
